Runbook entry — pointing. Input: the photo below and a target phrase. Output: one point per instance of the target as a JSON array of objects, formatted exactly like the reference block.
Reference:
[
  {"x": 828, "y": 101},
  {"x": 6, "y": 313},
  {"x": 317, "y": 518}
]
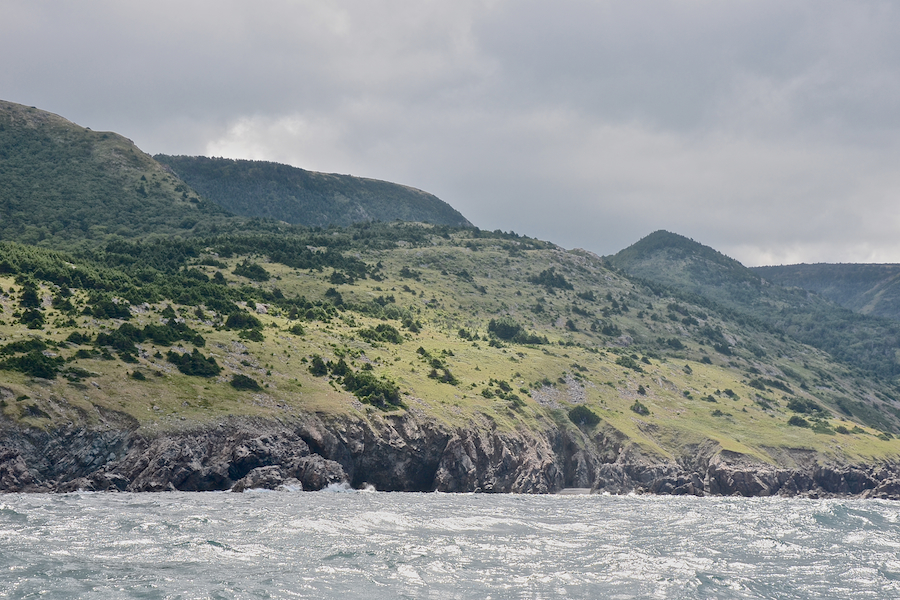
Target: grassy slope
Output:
[
  {"x": 284, "y": 193},
  {"x": 577, "y": 367}
]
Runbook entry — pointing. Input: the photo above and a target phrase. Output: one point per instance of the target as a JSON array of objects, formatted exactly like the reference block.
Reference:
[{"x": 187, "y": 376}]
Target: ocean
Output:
[{"x": 349, "y": 544}]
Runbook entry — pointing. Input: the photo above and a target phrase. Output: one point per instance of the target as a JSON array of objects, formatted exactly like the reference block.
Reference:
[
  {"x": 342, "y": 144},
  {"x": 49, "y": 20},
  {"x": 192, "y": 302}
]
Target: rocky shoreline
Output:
[{"x": 402, "y": 453}]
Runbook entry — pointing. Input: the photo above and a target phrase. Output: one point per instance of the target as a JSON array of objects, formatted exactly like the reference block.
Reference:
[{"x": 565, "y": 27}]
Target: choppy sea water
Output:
[{"x": 334, "y": 544}]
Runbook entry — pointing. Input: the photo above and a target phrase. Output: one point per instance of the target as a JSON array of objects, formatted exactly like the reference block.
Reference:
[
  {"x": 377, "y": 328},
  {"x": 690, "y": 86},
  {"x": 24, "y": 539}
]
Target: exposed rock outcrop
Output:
[
  {"x": 267, "y": 478},
  {"x": 404, "y": 453}
]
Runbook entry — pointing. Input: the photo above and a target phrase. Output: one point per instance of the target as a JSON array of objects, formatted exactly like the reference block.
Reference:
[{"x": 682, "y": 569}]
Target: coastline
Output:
[{"x": 406, "y": 453}]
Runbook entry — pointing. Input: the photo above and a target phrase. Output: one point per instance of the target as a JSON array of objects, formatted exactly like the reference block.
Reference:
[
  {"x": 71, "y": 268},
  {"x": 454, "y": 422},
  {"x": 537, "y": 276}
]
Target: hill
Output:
[
  {"x": 63, "y": 184},
  {"x": 243, "y": 353},
  {"x": 410, "y": 357},
  {"x": 869, "y": 289},
  {"x": 284, "y": 193},
  {"x": 867, "y": 344}
]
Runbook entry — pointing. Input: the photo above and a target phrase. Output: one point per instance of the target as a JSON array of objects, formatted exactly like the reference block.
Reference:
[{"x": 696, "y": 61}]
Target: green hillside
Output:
[
  {"x": 867, "y": 344},
  {"x": 61, "y": 184},
  {"x": 165, "y": 315},
  {"x": 459, "y": 324},
  {"x": 870, "y": 289},
  {"x": 284, "y": 193}
]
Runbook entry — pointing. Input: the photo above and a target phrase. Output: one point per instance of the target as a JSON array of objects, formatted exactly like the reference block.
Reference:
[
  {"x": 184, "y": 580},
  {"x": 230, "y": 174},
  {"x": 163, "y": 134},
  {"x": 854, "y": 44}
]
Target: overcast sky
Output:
[{"x": 767, "y": 129}]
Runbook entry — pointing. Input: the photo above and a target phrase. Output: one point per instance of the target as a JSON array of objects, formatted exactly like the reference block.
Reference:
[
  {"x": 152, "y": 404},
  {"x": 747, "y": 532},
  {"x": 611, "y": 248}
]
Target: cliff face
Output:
[{"x": 401, "y": 453}]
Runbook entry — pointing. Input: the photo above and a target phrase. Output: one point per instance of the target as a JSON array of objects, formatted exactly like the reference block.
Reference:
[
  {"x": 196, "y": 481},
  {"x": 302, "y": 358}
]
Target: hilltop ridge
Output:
[{"x": 293, "y": 195}]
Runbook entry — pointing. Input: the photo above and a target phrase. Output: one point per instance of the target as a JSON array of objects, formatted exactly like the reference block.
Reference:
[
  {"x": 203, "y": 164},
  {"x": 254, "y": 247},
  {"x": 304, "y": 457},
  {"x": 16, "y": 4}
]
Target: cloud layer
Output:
[{"x": 768, "y": 130}]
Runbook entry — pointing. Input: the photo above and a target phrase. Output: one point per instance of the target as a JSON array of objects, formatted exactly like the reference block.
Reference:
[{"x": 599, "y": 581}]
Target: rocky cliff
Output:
[{"x": 401, "y": 453}]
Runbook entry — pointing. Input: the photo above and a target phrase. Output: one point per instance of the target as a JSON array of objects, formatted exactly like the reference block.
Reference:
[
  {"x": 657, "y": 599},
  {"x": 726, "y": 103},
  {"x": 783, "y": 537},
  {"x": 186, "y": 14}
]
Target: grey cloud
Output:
[{"x": 766, "y": 129}]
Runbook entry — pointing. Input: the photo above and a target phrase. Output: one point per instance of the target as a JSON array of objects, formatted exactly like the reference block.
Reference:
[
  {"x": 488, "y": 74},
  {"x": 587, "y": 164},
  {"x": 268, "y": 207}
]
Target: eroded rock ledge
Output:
[{"x": 403, "y": 453}]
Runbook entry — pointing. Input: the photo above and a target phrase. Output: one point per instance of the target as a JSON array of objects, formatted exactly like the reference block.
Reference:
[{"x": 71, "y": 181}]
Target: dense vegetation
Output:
[{"x": 284, "y": 193}]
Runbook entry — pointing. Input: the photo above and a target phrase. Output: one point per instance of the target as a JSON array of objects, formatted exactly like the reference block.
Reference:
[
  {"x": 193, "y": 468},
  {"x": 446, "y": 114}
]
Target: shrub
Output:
[
  {"x": 445, "y": 376},
  {"x": 33, "y": 318},
  {"x": 317, "y": 366},
  {"x": 107, "y": 309},
  {"x": 722, "y": 349},
  {"x": 408, "y": 273},
  {"x": 194, "y": 363},
  {"x": 583, "y": 416},
  {"x": 339, "y": 368},
  {"x": 757, "y": 384},
  {"x": 254, "y": 335},
  {"x": 804, "y": 405},
  {"x": 640, "y": 408},
  {"x": 338, "y": 278},
  {"x": 629, "y": 363},
  {"x": 116, "y": 340},
  {"x": 675, "y": 344},
  {"x": 335, "y": 296},
  {"x": 29, "y": 297},
  {"x": 76, "y": 337},
  {"x": 549, "y": 278},
  {"x": 610, "y": 329},
  {"x": 504, "y": 328},
  {"x": 242, "y": 382},
  {"x": 35, "y": 363},
  {"x": 77, "y": 374},
  {"x": 242, "y": 320},
  {"x": 372, "y": 390},
  {"x": 761, "y": 383},
  {"x": 798, "y": 421},
  {"x": 822, "y": 427},
  {"x": 381, "y": 333},
  {"x": 21, "y": 346},
  {"x": 251, "y": 271}
]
